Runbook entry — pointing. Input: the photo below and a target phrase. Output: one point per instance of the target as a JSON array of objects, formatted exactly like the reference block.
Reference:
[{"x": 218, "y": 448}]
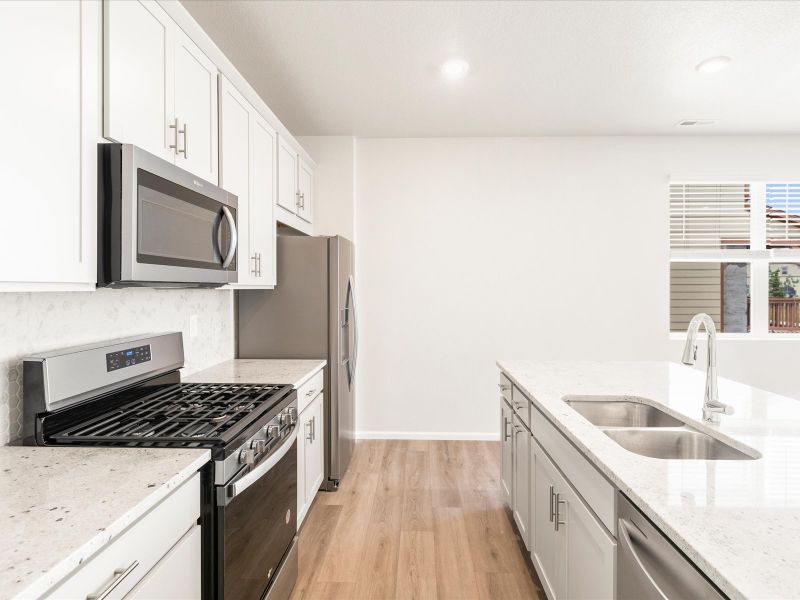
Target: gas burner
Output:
[{"x": 181, "y": 411}]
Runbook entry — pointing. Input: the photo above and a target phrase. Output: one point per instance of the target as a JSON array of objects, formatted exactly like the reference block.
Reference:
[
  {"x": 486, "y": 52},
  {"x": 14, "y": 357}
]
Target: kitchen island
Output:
[{"x": 737, "y": 520}]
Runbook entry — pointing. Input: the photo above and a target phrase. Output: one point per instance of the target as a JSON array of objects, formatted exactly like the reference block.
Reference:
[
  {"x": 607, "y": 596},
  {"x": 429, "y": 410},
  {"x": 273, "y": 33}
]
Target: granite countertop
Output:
[
  {"x": 738, "y": 520},
  {"x": 61, "y": 505},
  {"x": 260, "y": 370}
]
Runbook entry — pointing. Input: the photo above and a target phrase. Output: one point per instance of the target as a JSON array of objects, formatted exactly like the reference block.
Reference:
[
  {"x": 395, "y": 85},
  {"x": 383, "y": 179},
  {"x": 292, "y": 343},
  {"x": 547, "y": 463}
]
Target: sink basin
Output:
[
  {"x": 621, "y": 413},
  {"x": 681, "y": 444}
]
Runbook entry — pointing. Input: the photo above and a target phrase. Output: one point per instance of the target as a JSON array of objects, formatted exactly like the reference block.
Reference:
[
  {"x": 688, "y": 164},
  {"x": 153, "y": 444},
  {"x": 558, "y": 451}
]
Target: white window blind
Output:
[
  {"x": 783, "y": 215},
  {"x": 709, "y": 216}
]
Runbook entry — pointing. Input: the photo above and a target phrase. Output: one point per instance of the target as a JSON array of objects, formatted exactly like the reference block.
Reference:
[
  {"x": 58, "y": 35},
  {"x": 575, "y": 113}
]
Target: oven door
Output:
[
  {"x": 256, "y": 527},
  {"x": 172, "y": 228}
]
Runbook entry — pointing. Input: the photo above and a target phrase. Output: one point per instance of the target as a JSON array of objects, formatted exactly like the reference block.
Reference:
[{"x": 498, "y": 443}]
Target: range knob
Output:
[
  {"x": 247, "y": 457},
  {"x": 283, "y": 418},
  {"x": 273, "y": 431},
  {"x": 258, "y": 446},
  {"x": 292, "y": 415}
]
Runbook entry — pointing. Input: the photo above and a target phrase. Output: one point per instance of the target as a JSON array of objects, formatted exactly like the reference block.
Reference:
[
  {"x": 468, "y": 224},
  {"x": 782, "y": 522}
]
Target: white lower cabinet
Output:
[
  {"x": 506, "y": 452},
  {"x": 572, "y": 551},
  {"x": 176, "y": 576},
  {"x": 310, "y": 455},
  {"x": 569, "y": 539},
  {"x": 521, "y": 479},
  {"x": 156, "y": 557}
]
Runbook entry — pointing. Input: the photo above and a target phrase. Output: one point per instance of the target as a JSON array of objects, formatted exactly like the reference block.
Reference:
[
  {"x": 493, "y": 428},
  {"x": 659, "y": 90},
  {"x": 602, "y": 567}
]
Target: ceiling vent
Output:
[{"x": 694, "y": 122}]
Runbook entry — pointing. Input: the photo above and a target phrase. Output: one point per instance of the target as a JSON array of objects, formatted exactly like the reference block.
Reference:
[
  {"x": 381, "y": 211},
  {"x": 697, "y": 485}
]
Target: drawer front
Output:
[
  {"x": 177, "y": 576},
  {"x": 310, "y": 390},
  {"x": 505, "y": 388},
  {"x": 595, "y": 489},
  {"x": 522, "y": 406},
  {"x": 118, "y": 567}
]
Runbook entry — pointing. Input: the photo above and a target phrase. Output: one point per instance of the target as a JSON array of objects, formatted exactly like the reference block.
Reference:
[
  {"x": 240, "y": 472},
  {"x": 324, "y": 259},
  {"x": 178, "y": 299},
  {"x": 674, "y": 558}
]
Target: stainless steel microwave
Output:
[{"x": 159, "y": 225}]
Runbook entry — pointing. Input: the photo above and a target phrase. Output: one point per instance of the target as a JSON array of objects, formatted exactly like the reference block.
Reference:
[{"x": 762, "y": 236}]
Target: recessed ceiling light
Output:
[
  {"x": 455, "y": 68},
  {"x": 713, "y": 64}
]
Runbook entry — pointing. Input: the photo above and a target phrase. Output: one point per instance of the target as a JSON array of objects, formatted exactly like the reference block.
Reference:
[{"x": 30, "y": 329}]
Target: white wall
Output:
[
  {"x": 471, "y": 250},
  {"x": 37, "y": 322},
  {"x": 333, "y": 183}
]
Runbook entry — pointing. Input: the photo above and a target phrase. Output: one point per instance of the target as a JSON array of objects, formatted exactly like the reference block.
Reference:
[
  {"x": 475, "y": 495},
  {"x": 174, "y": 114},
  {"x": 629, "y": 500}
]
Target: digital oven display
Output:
[{"x": 127, "y": 357}]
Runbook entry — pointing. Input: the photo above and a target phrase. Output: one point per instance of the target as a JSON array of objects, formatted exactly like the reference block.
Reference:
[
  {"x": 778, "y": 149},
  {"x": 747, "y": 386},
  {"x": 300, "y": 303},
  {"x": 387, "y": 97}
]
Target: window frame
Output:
[{"x": 759, "y": 257}]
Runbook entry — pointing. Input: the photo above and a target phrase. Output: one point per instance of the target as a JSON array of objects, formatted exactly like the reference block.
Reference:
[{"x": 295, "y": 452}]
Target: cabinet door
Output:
[
  {"x": 521, "y": 485},
  {"x": 262, "y": 204},
  {"x": 303, "y": 442},
  {"x": 138, "y": 103},
  {"x": 287, "y": 176},
  {"x": 49, "y": 199},
  {"x": 547, "y": 548},
  {"x": 195, "y": 108},
  {"x": 236, "y": 118},
  {"x": 506, "y": 452},
  {"x": 590, "y": 552},
  {"x": 176, "y": 576},
  {"x": 315, "y": 471},
  {"x": 305, "y": 185}
]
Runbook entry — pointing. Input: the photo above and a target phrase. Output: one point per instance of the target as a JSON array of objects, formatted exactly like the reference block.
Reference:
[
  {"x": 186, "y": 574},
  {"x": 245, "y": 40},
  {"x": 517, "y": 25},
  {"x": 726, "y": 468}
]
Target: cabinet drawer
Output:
[
  {"x": 310, "y": 390},
  {"x": 505, "y": 388},
  {"x": 177, "y": 576},
  {"x": 130, "y": 557},
  {"x": 595, "y": 489},
  {"x": 521, "y": 405}
]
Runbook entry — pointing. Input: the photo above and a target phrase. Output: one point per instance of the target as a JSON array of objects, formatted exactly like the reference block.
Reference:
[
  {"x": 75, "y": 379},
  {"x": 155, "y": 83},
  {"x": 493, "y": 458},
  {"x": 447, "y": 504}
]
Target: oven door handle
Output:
[{"x": 263, "y": 468}]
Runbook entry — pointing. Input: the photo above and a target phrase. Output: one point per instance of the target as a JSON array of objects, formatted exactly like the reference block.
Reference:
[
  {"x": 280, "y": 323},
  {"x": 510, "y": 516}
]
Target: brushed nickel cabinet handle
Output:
[
  {"x": 558, "y": 520},
  {"x": 552, "y": 512},
  {"x": 506, "y": 435},
  {"x": 174, "y": 126},
  {"x": 185, "y": 132},
  {"x": 119, "y": 575}
]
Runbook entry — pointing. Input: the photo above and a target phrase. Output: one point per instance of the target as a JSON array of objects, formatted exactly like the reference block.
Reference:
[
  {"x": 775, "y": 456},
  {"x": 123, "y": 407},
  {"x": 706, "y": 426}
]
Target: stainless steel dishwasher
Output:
[{"x": 650, "y": 566}]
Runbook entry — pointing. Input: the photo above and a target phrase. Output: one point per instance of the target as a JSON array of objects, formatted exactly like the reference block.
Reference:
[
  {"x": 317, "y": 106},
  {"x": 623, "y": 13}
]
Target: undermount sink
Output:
[
  {"x": 649, "y": 431},
  {"x": 681, "y": 444},
  {"x": 611, "y": 412}
]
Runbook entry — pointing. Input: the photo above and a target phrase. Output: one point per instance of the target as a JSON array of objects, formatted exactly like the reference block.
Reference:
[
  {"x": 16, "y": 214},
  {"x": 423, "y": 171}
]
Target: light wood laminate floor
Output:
[{"x": 414, "y": 520}]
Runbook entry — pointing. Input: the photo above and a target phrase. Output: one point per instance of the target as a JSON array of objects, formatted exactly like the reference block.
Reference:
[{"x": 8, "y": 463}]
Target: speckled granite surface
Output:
[
  {"x": 60, "y": 505},
  {"x": 260, "y": 370},
  {"x": 739, "y": 521}
]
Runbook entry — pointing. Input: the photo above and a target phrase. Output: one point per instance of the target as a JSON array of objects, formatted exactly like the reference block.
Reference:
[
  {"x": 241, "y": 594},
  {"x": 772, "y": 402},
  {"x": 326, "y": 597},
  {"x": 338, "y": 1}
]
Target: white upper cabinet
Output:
[
  {"x": 160, "y": 88},
  {"x": 195, "y": 109},
  {"x": 50, "y": 122},
  {"x": 247, "y": 169},
  {"x": 287, "y": 176},
  {"x": 295, "y": 188},
  {"x": 305, "y": 188},
  {"x": 262, "y": 206},
  {"x": 138, "y": 102}
]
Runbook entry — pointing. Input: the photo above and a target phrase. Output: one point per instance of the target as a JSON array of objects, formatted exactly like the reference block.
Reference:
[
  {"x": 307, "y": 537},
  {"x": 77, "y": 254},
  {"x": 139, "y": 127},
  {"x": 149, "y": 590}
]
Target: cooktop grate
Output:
[{"x": 197, "y": 413}]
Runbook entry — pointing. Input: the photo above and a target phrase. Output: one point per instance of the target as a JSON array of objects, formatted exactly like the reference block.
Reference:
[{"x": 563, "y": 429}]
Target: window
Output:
[{"x": 735, "y": 254}]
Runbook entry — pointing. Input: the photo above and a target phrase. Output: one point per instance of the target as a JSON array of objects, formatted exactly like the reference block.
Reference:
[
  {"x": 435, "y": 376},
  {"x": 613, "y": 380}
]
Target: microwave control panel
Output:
[{"x": 127, "y": 357}]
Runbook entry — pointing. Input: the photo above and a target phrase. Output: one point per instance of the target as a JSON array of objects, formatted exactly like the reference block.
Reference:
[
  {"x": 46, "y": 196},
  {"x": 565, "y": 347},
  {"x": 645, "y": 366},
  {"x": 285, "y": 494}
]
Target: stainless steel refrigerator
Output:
[{"x": 311, "y": 313}]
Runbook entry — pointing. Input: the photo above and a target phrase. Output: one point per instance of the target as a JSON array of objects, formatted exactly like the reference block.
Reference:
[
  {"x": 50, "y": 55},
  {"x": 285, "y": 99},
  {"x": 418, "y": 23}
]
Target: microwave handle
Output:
[{"x": 234, "y": 238}]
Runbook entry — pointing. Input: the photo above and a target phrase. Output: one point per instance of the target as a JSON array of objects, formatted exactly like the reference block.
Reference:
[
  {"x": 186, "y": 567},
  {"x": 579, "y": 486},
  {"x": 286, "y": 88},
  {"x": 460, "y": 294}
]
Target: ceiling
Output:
[{"x": 371, "y": 69}]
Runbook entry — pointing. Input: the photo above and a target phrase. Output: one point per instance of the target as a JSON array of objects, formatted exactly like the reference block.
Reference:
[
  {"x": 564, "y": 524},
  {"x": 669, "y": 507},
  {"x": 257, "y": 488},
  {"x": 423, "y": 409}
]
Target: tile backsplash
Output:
[{"x": 36, "y": 322}]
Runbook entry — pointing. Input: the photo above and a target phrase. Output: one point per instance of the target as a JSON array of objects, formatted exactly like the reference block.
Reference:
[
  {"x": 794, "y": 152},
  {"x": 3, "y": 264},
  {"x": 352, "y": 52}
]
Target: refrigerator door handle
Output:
[{"x": 352, "y": 288}]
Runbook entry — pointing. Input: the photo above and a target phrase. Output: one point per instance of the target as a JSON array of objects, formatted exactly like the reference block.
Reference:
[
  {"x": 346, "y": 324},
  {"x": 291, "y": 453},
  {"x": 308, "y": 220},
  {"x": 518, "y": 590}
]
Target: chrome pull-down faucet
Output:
[{"x": 712, "y": 407}]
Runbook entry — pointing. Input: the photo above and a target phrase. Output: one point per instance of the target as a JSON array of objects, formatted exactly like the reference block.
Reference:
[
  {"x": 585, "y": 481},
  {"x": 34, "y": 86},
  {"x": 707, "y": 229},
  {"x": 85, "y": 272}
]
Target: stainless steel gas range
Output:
[{"x": 128, "y": 392}]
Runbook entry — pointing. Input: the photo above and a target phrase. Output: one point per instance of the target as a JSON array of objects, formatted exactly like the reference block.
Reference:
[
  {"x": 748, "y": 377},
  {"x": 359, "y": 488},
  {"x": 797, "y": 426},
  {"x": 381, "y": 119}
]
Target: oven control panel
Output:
[{"x": 127, "y": 357}]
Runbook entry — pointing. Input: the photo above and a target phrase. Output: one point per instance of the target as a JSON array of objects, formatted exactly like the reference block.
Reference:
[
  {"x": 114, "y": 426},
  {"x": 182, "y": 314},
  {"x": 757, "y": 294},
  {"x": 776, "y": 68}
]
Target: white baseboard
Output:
[{"x": 426, "y": 435}]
